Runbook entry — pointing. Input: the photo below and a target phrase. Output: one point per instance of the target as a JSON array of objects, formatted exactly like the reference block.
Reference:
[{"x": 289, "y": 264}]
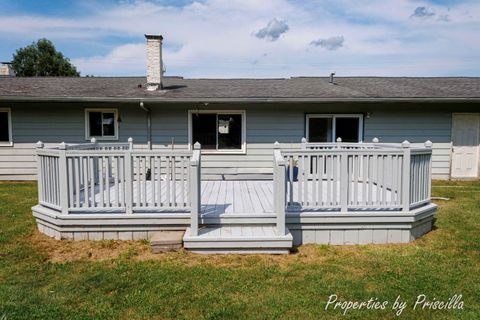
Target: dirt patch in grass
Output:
[{"x": 61, "y": 251}]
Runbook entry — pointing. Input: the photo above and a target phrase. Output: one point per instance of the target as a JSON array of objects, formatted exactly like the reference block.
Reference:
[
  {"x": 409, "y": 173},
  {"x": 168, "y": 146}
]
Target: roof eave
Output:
[{"x": 240, "y": 100}]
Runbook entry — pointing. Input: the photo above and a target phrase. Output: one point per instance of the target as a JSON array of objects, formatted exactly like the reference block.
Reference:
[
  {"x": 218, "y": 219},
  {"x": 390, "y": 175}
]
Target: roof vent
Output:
[
  {"x": 154, "y": 62},
  {"x": 331, "y": 77}
]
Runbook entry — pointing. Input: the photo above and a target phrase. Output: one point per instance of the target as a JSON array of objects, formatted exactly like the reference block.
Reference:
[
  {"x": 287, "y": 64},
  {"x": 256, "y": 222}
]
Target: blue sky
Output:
[{"x": 252, "y": 38}]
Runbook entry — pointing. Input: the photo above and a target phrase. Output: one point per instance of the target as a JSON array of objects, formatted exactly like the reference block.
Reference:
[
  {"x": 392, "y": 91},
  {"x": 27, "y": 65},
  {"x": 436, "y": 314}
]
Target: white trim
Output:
[
  {"x": 243, "y": 150},
  {"x": 103, "y": 110},
  {"x": 333, "y": 116},
  {"x": 8, "y": 143}
]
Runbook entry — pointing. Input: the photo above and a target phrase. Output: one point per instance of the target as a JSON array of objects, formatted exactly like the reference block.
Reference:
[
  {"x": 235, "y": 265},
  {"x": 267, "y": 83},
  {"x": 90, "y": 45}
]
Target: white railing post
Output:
[
  {"x": 279, "y": 184},
  {"x": 303, "y": 141},
  {"x": 338, "y": 145},
  {"x": 429, "y": 145},
  {"x": 344, "y": 181},
  {"x": 406, "y": 176},
  {"x": 39, "y": 145},
  {"x": 375, "y": 140},
  {"x": 129, "y": 178},
  {"x": 63, "y": 177},
  {"x": 195, "y": 188}
]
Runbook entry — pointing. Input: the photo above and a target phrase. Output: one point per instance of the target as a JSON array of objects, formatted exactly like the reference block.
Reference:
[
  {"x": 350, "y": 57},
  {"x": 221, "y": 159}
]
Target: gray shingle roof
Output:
[{"x": 291, "y": 89}]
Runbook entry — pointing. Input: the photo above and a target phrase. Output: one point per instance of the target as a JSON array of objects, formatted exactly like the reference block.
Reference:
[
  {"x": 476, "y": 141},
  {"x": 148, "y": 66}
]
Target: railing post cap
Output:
[
  {"x": 39, "y": 144},
  {"x": 62, "y": 146},
  {"x": 339, "y": 139},
  {"x": 304, "y": 140},
  {"x": 276, "y": 145},
  {"x": 197, "y": 146},
  {"x": 428, "y": 144},
  {"x": 406, "y": 144},
  {"x": 130, "y": 139},
  {"x": 93, "y": 140},
  {"x": 375, "y": 140}
]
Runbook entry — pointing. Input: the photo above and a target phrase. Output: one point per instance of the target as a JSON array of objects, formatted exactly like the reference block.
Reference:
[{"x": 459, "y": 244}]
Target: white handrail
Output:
[
  {"x": 357, "y": 178},
  {"x": 118, "y": 180}
]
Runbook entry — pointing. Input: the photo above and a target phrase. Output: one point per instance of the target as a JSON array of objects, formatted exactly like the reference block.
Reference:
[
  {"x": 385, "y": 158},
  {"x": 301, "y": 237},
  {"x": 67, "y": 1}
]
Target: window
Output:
[
  {"x": 327, "y": 128},
  {"x": 101, "y": 124},
  {"x": 5, "y": 128},
  {"x": 218, "y": 131}
]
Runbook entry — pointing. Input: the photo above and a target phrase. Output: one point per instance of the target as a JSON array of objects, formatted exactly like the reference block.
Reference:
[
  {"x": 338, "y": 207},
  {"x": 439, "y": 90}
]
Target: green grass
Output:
[{"x": 45, "y": 279}]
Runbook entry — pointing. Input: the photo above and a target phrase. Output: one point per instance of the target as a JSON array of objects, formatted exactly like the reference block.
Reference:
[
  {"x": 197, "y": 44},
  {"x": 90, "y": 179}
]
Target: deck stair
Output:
[{"x": 242, "y": 239}]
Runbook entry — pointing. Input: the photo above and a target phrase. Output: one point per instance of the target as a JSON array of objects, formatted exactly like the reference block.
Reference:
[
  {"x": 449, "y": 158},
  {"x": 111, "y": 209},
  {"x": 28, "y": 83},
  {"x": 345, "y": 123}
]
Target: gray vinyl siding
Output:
[
  {"x": 416, "y": 127},
  {"x": 265, "y": 124}
]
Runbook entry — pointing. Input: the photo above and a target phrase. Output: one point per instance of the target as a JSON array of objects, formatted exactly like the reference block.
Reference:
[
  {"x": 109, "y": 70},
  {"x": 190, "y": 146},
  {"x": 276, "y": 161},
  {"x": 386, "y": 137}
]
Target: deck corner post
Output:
[
  {"x": 195, "y": 188},
  {"x": 39, "y": 145},
  {"x": 344, "y": 181},
  {"x": 128, "y": 182},
  {"x": 279, "y": 188},
  {"x": 406, "y": 176},
  {"x": 63, "y": 177}
]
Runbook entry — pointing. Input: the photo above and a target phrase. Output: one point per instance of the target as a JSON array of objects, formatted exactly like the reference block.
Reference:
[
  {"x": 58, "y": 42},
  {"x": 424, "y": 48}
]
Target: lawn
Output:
[{"x": 41, "y": 278}]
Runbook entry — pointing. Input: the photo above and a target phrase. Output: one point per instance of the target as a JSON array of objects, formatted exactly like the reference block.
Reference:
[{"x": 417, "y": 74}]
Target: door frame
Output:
[{"x": 452, "y": 138}]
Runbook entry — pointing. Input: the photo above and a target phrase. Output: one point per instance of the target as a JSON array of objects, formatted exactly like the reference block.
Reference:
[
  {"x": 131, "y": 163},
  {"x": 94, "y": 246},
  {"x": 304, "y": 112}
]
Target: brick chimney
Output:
[{"x": 154, "y": 61}]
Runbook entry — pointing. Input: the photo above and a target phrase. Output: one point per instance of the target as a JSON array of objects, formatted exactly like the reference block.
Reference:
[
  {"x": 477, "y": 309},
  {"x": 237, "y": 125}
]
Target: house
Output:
[
  {"x": 6, "y": 69},
  {"x": 236, "y": 122}
]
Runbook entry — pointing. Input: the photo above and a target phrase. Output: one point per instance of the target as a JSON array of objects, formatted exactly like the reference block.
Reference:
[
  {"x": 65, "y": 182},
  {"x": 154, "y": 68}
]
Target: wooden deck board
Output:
[{"x": 243, "y": 196}]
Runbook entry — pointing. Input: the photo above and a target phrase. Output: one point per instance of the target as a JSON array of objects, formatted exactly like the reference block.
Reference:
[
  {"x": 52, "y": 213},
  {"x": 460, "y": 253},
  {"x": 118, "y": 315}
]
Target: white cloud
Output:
[
  {"x": 213, "y": 38},
  {"x": 332, "y": 43},
  {"x": 422, "y": 12},
  {"x": 122, "y": 60},
  {"x": 274, "y": 29}
]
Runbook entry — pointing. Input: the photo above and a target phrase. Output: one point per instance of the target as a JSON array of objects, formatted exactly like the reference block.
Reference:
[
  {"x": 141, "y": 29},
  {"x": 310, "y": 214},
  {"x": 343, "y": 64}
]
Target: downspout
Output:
[{"x": 149, "y": 125}]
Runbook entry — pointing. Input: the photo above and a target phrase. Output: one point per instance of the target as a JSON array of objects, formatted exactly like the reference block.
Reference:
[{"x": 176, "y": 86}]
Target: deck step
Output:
[
  {"x": 242, "y": 239},
  {"x": 164, "y": 241}
]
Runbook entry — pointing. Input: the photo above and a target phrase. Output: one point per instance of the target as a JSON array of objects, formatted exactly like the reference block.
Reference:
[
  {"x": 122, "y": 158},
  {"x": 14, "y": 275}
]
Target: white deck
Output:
[{"x": 245, "y": 196}]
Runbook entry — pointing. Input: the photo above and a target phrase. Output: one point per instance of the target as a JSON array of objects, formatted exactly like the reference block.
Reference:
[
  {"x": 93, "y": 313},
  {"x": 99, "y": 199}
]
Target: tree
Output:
[{"x": 41, "y": 59}]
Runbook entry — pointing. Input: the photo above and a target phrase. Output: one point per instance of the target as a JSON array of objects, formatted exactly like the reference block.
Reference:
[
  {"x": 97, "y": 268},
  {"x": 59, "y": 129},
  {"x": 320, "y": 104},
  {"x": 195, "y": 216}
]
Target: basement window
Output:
[
  {"x": 218, "y": 132},
  {"x": 329, "y": 127},
  {"x": 101, "y": 124},
  {"x": 5, "y": 127}
]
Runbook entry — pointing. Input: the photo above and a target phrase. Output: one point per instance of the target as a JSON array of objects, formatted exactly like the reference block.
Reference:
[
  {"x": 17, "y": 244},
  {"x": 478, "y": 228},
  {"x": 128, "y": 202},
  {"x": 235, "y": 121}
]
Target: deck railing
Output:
[
  {"x": 354, "y": 177},
  {"x": 97, "y": 177}
]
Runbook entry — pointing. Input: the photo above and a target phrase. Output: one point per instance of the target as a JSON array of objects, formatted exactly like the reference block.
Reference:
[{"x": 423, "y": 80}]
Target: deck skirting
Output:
[{"x": 337, "y": 228}]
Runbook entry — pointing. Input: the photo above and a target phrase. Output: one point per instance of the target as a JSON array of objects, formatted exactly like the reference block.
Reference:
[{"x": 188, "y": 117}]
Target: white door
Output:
[{"x": 465, "y": 138}]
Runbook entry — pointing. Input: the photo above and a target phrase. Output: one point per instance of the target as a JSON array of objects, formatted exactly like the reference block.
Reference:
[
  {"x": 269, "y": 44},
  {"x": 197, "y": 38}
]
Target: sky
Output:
[{"x": 254, "y": 38}]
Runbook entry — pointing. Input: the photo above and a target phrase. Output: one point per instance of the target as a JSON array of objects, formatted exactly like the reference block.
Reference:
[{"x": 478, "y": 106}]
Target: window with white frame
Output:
[
  {"x": 218, "y": 131},
  {"x": 329, "y": 127},
  {"x": 101, "y": 124},
  {"x": 5, "y": 127}
]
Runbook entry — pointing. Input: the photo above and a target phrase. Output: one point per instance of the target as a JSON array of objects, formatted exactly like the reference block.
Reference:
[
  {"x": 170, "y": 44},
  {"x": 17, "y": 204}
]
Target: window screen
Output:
[
  {"x": 4, "y": 127},
  {"x": 230, "y": 131},
  {"x": 217, "y": 131},
  {"x": 347, "y": 129},
  {"x": 101, "y": 124},
  {"x": 204, "y": 128},
  {"x": 320, "y": 129}
]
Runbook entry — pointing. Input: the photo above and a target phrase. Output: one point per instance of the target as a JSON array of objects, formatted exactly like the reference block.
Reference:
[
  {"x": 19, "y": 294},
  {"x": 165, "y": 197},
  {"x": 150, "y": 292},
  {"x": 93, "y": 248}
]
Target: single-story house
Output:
[{"x": 237, "y": 121}]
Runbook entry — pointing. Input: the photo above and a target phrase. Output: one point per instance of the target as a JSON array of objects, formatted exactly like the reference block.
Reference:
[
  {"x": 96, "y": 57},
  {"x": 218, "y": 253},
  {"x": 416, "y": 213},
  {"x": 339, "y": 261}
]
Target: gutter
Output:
[
  {"x": 231, "y": 100},
  {"x": 149, "y": 124}
]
